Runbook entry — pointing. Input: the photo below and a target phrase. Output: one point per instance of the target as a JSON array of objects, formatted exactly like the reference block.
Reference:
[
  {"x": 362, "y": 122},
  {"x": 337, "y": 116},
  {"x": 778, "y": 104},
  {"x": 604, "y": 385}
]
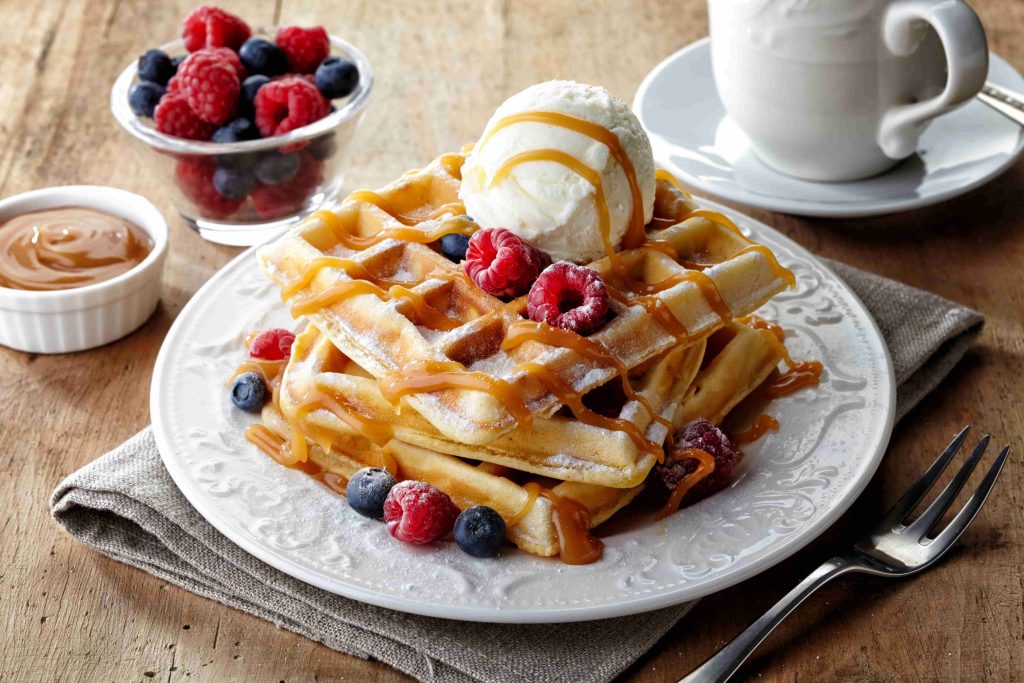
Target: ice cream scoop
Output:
[{"x": 552, "y": 180}]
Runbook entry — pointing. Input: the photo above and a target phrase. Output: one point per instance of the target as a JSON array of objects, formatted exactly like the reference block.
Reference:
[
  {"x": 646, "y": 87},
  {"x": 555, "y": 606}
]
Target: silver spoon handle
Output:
[
  {"x": 724, "y": 663},
  {"x": 1007, "y": 102}
]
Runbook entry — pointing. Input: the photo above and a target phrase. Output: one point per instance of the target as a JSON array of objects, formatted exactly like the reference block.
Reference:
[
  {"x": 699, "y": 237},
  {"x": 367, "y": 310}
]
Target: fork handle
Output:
[{"x": 722, "y": 665}]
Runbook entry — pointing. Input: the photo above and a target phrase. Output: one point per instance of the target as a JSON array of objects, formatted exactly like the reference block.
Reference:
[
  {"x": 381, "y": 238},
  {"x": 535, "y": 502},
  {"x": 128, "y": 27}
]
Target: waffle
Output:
[
  {"x": 335, "y": 446},
  {"x": 559, "y": 447},
  {"x": 442, "y": 317},
  {"x": 468, "y": 485}
]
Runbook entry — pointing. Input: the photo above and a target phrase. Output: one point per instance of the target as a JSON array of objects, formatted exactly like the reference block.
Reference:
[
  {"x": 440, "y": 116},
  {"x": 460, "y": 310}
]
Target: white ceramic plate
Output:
[
  {"x": 790, "y": 487},
  {"x": 693, "y": 139}
]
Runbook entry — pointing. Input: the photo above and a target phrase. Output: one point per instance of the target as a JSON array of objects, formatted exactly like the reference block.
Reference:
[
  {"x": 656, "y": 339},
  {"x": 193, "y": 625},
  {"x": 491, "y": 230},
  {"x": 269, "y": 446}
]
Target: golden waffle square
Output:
[
  {"x": 319, "y": 378},
  {"x": 439, "y": 316}
]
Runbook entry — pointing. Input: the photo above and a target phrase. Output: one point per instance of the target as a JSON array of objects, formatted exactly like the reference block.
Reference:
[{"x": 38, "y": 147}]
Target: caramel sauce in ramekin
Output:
[{"x": 68, "y": 247}]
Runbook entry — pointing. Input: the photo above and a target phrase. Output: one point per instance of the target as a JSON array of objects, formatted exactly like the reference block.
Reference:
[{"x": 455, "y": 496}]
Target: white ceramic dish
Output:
[
  {"x": 791, "y": 486},
  {"x": 85, "y": 317},
  {"x": 678, "y": 105}
]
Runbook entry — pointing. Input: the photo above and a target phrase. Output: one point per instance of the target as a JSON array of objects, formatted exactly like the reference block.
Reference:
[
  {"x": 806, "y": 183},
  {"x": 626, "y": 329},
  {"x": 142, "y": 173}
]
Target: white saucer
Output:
[{"x": 694, "y": 140}]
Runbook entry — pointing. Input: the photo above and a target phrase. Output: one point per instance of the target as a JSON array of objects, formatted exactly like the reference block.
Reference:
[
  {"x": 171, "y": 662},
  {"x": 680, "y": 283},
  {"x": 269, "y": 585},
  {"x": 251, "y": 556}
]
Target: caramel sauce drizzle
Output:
[
  {"x": 635, "y": 231},
  {"x": 371, "y": 197},
  {"x": 799, "y": 375},
  {"x": 528, "y": 330},
  {"x": 274, "y": 446},
  {"x": 784, "y": 274},
  {"x": 408, "y": 300},
  {"x": 319, "y": 399},
  {"x": 352, "y": 268},
  {"x": 759, "y": 323},
  {"x": 590, "y": 175},
  {"x": 456, "y": 208},
  {"x": 435, "y": 375},
  {"x": 658, "y": 310},
  {"x": 662, "y": 174},
  {"x": 572, "y": 398},
  {"x": 425, "y": 314},
  {"x": 450, "y": 226},
  {"x": 762, "y": 424},
  {"x": 705, "y": 466},
  {"x": 339, "y": 291},
  {"x": 268, "y": 442},
  {"x": 572, "y": 524},
  {"x": 664, "y": 246},
  {"x": 452, "y": 164}
]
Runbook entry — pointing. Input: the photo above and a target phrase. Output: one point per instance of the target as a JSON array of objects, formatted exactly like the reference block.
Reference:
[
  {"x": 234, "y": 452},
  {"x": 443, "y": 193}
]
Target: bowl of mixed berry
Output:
[{"x": 249, "y": 126}]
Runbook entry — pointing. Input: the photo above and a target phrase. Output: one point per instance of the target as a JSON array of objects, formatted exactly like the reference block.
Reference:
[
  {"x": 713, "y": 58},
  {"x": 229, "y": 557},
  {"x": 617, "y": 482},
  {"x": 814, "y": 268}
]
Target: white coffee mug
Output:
[{"x": 841, "y": 89}]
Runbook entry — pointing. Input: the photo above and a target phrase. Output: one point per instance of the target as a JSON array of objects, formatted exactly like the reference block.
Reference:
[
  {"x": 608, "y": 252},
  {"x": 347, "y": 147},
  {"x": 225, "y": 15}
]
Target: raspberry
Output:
[
  {"x": 231, "y": 57},
  {"x": 208, "y": 26},
  {"x": 174, "y": 117},
  {"x": 288, "y": 103},
  {"x": 194, "y": 176},
  {"x": 569, "y": 296},
  {"x": 502, "y": 263},
  {"x": 211, "y": 85},
  {"x": 417, "y": 512},
  {"x": 273, "y": 344},
  {"x": 275, "y": 201},
  {"x": 710, "y": 439},
  {"x": 304, "y": 47}
]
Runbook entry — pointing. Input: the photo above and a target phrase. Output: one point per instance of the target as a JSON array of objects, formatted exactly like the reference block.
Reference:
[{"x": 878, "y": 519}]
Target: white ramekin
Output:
[{"x": 76, "y": 319}]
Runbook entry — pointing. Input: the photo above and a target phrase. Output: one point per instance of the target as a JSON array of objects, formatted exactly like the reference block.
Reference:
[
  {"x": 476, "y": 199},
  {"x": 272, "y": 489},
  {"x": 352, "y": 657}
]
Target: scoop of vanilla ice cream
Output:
[{"x": 546, "y": 202}]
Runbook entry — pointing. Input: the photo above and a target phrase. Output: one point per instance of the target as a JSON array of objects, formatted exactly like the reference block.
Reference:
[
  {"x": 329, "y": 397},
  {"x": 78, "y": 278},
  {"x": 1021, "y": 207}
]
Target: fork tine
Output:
[
  {"x": 920, "y": 488},
  {"x": 923, "y": 525},
  {"x": 948, "y": 536}
]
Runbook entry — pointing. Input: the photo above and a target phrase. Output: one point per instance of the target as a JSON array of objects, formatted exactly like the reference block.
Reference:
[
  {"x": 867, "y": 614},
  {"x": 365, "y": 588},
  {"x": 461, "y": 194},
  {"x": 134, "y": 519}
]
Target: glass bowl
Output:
[{"x": 186, "y": 167}]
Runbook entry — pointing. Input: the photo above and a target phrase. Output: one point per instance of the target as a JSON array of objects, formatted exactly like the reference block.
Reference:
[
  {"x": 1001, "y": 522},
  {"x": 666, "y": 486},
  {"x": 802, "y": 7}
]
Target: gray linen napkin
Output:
[{"x": 125, "y": 505}]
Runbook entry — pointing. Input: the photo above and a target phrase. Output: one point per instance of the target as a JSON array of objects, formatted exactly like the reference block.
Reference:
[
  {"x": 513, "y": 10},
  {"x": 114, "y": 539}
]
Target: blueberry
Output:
[
  {"x": 250, "y": 87},
  {"x": 155, "y": 66},
  {"x": 236, "y": 131},
  {"x": 336, "y": 77},
  {"x": 480, "y": 531},
  {"x": 454, "y": 246},
  {"x": 367, "y": 490},
  {"x": 260, "y": 56},
  {"x": 176, "y": 61},
  {"x": 276, "y": 168},
  {"x": 323, "y": 147},
  {"x": 249, "y": 392},
  {"x": 233, "y": 183},
  {"x": 237, "y": 161},
  {"x": 143, "y": 97}
]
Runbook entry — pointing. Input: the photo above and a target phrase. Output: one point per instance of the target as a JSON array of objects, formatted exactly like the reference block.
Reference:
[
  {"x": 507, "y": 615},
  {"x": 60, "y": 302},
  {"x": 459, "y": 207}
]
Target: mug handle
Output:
[{"x": 963, "y": 40}]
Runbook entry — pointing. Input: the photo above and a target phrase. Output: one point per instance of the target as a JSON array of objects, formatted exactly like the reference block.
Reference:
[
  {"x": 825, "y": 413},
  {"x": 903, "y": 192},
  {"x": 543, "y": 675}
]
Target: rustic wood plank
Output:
[{"x": 70, "y": 614}]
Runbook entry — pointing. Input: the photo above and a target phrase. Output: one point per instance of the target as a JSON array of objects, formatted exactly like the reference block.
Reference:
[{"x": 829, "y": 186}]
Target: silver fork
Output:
[{"x": 894, "y": 549}]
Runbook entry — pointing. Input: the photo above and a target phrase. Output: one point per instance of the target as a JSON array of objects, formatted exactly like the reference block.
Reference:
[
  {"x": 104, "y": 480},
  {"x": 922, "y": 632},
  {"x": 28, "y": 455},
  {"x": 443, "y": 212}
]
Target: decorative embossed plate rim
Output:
[{"x": 791, "y": 486}]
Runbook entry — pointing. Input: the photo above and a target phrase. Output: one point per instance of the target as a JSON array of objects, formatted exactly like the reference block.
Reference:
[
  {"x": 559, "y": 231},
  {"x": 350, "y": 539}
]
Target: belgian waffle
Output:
[
  {"x": 559, "y": 447},
  {"x": 468, "y": 485},
  {"x": 336, "y": 447},
  {"x": 385, "y": 334}
]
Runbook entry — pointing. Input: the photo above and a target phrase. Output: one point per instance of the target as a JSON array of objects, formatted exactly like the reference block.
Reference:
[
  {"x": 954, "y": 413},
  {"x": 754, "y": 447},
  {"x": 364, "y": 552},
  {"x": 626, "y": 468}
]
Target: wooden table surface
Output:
[{"x": 442, "y": 67}]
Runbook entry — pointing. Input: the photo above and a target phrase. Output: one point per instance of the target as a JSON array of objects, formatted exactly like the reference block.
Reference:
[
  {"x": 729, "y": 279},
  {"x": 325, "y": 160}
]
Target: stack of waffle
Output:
[{"x": 405, "y": 364}]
